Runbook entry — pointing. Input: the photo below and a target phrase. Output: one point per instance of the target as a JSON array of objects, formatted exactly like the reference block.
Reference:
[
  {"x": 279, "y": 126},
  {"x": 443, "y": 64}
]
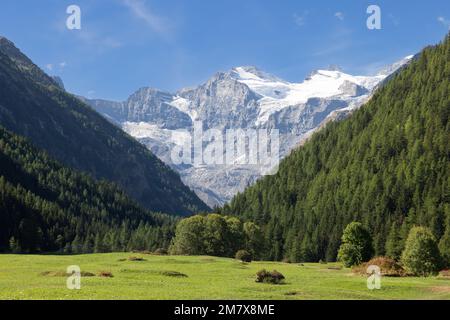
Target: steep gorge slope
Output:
[
  {"x": 388, "y": 166},
  {"x": 33, "y": 105}
]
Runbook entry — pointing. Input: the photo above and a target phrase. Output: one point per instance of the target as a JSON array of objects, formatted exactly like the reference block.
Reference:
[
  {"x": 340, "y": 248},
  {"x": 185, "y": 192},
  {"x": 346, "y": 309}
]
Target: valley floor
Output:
[{"x": 42, "y": 277}]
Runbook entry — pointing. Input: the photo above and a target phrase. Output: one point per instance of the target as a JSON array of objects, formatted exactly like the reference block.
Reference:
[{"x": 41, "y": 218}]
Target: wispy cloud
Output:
[
  {"x": 339, "y": 15},
  {"x": 156, "y": 23},
  {"x": 300, "y": 19},
  {"x": 340, "y": 40},
  {"x": 330, "y": 49},
  {"x": 98, "y": 41},
  {"x": 444, "y": 21},
  {"x": 57, "y": 67}
]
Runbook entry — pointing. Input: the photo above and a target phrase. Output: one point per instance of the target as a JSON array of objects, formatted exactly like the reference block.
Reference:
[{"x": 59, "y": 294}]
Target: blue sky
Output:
[{"x": 169, "y": 44}]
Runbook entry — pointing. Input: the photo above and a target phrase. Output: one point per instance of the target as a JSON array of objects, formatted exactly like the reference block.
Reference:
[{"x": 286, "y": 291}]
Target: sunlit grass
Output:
[{"x": 176, "y": 277}]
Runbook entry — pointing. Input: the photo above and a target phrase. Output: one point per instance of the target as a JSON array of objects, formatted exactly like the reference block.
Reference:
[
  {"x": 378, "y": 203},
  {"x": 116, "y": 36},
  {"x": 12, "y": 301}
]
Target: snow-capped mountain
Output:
[{"x": 242, "y": 98}]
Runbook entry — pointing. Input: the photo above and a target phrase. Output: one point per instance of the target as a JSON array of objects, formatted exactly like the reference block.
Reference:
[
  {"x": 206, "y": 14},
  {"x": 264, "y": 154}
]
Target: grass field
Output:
[{"x": 42, "y": 277}]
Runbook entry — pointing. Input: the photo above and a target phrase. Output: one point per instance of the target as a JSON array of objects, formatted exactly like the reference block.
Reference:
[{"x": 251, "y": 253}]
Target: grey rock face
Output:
[
  {"x": 352, "y": 89},
  {"x": 223, "y": 102},
  {"x": 59, "y": 82},
  {"x": 243, "y": 98},
  {"x": 153, "y": 106}
]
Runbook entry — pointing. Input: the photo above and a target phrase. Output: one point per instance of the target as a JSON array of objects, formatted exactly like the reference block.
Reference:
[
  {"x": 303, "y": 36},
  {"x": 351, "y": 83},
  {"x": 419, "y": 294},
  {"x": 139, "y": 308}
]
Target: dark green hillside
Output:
[
  {"x": 34, "y": 106},
  {"x": 387, "y": 166},
  {"x": 45, "y": 206}
]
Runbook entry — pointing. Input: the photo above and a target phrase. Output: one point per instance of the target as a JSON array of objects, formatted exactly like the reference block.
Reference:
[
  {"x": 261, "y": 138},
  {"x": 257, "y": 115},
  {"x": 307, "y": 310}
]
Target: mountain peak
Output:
[
  {"x": 334, "y": 67},
  {"x": 252, "y": 73},
  {"x": 4, "y": 41},
  {"x": 395, "y": 66},
  {"x": 8, "y": 47}
]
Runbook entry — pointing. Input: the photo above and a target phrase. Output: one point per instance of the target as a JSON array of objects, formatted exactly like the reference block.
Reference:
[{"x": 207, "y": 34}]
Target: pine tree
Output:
[{"x": 394, "y": 243}]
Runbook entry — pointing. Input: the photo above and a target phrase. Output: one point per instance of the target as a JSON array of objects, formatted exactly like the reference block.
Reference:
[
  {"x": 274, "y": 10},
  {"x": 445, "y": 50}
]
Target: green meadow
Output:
[{"x": 197, "y": 277}]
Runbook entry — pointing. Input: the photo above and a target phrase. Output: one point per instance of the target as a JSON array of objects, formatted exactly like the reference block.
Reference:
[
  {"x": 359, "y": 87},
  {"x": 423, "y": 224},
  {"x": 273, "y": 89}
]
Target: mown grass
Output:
[{"x": 170, "y": 277}]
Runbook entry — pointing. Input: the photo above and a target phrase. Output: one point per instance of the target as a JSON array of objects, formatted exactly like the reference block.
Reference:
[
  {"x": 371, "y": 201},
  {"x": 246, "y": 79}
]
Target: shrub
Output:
[
  {"x": 136, "y": 259},
  {"x": 421, "y": 256},
  {"x": 444, "y": 274},
  {"x": 160, "y": 252},
  {"x": 273, "y": 277},
  {"x": 65, "y": 274},
  {"x": 389, "y": 267},
  {"x": 174, "y": 274},
  {"x": 356, "y": 245},
  {"x": 244, "y": 256},
  {"x": 105, "y": 274}
]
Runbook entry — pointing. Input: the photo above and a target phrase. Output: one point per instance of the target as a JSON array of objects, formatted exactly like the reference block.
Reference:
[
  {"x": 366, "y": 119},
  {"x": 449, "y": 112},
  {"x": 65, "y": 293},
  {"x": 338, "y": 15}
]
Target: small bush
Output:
[
  {"x": 244, "y": 256},
  {"x": 65, "y": 274},
  {"x": 388, "y": 267},
  {"x": 286, "y": 260},
  {"x": 160, "y": 252},
  {"x": 444, "y": 274},
  {"x": 174, "y": 274},
  {"x": 273, "y": 277},
  {"x": 136, "y": 259},
  {"x": 421, "y": 256},
  {"x": 334, "y": 268},
  {"x": 105, "y": 274},
  {"x": 322, "y": 262}
]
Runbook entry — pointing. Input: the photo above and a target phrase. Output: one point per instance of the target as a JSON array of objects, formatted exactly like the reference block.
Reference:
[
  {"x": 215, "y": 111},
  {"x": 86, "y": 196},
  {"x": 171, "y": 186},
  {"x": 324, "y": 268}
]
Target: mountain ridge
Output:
[
  {"x": 386, "y": 166},
  {"x": 33, "y": 105},
  {"x": 243, "y": 97}
]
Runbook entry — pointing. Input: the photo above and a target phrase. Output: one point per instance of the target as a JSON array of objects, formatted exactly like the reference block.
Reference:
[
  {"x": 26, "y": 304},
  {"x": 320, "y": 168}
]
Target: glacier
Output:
[{"x": 242, "y": 98}]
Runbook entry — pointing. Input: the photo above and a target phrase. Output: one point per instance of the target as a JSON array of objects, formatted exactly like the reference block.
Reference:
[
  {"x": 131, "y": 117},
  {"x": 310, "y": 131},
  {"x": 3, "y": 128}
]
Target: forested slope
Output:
[
  {"x": 33, "y": 105},
  {"x": 45, "y": 206},
  {"x": 386, "y": 166}
]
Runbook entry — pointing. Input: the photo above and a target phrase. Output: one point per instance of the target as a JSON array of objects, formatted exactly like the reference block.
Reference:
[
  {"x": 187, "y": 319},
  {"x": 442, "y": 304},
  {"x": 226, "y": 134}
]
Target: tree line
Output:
[
  {"x": 217, "y": 235},
  {"x": 422, "y": 256}
]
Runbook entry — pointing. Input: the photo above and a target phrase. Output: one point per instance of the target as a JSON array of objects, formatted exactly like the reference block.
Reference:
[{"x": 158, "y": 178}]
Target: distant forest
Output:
[{"x": 45, "y": 207}]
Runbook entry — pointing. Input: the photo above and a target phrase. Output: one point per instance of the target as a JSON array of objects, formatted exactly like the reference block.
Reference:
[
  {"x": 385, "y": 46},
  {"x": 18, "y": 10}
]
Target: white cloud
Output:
[
  {"x": 62, "y": 64},
  {"x": 444, "y": 21},
  {"x": 49, "y": 67},
  {"x": 142, "y": 12},
  {"x": 300, "y": 20},
  {"x": 339, "y": 15}
]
